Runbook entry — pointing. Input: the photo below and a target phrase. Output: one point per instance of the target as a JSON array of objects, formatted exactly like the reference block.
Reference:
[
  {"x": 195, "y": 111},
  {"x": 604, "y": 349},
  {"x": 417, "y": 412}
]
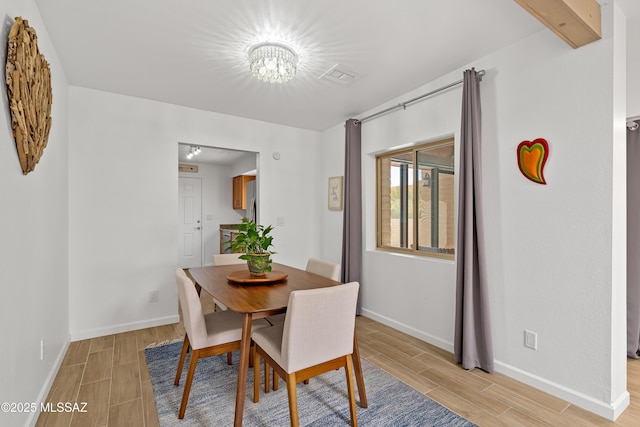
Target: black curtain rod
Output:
[{"x": 404, "y": 105}]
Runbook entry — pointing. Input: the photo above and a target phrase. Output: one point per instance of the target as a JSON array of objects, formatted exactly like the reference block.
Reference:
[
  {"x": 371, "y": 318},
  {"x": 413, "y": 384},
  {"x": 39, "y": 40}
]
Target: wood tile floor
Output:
[{"x": 110, "y": 374}]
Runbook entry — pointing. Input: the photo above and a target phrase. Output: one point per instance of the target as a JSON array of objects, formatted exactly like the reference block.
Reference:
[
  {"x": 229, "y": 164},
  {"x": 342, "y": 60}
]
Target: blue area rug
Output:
[{"x": 322, "y": 403}]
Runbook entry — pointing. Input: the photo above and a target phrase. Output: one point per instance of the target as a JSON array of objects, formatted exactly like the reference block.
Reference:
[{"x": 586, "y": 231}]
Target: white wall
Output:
[
  {"x": 332, "y": 161},
  {"x": 34, "y": 294},
  {"x": 619, "y": 397},
  {"x": 633, "y": 88},
  {"x": 551, "y": 249},
  {"x": 633, "y": 71},
  {"x": 123, "y": 201},
  {"x": 244, "y": 164}
]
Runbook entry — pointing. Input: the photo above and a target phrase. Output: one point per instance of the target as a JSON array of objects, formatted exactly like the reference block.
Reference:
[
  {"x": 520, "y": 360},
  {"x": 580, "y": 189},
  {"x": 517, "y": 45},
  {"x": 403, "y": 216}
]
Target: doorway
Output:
[{"x": 215, "y": 168}]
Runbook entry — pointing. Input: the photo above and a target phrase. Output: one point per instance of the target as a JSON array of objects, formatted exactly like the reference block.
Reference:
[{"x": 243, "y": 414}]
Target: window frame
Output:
[{"x": 414, "y": 149}]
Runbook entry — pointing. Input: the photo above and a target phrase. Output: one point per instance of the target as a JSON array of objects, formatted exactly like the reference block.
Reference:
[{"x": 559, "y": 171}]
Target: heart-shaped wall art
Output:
[{"x": 532, "y": 156}]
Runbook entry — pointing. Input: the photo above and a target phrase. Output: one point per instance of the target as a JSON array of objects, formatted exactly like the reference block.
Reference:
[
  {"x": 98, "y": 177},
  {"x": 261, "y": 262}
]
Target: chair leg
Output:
[
  {"x": 267, "y": 370},
  {"x": 230, "y": 359},
  {"x": 357, "y": 367},
  {"x": 256, "y": 375},
  {"x": 195, "y": 355},
  {"x": 275, "y": 381},
  {"x": 293, "y": 399},
  {"x": 350, "y": 391},
  {"x": 183, "y": 354}
]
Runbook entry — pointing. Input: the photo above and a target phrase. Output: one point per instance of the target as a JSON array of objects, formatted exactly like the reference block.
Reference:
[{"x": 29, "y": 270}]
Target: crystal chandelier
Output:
[{"x": 273, "y": 62}]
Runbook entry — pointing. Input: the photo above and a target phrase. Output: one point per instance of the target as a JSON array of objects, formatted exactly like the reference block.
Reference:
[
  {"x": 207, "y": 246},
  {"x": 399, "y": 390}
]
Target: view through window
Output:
[{"x": 415, "y": 199}]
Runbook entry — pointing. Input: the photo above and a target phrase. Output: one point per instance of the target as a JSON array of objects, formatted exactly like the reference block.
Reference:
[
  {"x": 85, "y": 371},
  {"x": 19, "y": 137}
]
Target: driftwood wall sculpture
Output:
[{"x": 28, "y": 93}]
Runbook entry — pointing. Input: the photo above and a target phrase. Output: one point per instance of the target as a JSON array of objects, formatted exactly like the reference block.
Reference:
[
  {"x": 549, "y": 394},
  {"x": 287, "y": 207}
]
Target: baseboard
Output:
[
  {"x": 590, "y": 404},
  {"x": 125, "y": 327},
  {"x": 408, "y": 330},
  {"x": 608, "y": 411},
  {"x": 46, "y": 387}
]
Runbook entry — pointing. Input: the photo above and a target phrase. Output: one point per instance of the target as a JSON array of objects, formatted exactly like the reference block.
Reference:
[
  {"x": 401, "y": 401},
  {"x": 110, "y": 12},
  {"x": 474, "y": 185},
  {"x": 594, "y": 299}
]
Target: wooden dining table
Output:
[{"x": 256, "y": 300}]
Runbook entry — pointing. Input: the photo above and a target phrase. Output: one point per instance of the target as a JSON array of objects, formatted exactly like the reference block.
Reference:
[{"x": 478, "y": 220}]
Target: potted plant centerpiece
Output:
[{"x": 254, "y": 241}]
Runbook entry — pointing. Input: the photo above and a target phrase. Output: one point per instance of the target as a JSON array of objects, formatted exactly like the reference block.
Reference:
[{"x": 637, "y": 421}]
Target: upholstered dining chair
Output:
[
  {"x": 316, "y": 337},
  {"x": 226, "y": 259},
  {"x": 317, "y": 266},
  {"x": 207, "y": 335},
  {"x": 324, "y": 268}
]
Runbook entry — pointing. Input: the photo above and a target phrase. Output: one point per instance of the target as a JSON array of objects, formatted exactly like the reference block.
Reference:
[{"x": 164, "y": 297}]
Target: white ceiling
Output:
[{"x": 193, "y": 52}]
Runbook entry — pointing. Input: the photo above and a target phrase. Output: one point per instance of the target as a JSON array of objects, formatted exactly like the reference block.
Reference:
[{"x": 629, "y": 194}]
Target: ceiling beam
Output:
[{"x": 577, "y": 22}]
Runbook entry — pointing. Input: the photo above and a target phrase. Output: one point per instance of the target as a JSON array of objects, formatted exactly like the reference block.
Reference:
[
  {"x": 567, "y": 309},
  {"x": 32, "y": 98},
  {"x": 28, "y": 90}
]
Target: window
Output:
[{"x": 417, "y": 218}]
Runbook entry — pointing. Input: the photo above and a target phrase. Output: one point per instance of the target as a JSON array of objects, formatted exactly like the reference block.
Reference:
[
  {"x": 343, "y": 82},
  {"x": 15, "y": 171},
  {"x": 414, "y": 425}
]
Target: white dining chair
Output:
[
  {"x": 226, "y": 259},
  {"x": 316, "y": 337},
  {"x": 206, "y": 335},
  {"x": 324, "y": 268},
  {"x": 317, "y": 266}
]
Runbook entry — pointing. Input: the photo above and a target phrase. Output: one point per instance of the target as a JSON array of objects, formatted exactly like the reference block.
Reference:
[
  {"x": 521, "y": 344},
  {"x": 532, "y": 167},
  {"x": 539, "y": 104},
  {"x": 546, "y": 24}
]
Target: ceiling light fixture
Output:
[
  {"x": 193, "y": 151},
  {"x": 273, "y": 62}
]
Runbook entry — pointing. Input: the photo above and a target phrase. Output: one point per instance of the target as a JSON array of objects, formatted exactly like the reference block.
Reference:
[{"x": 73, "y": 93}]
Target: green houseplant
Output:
[{"x": 254, "y": 240}]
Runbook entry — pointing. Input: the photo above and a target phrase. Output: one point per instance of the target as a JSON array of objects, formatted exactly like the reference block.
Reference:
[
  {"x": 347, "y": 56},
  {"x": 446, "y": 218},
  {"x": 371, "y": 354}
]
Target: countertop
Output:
[{"x": 230, "y": 227}]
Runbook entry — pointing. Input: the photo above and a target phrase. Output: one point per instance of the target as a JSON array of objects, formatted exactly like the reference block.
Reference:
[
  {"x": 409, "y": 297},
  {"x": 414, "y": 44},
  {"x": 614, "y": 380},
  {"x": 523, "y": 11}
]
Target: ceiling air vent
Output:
[{"x": 340, "y": 74}]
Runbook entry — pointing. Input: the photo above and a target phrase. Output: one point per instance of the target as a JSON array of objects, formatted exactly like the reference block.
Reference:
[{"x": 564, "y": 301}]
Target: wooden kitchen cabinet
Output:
[{"x": 240, "y": 190}]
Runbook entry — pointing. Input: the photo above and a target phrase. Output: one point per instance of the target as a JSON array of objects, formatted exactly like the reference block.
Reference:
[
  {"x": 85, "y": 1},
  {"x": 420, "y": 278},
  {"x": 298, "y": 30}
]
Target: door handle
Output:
[{"x": 196, "y": 228}]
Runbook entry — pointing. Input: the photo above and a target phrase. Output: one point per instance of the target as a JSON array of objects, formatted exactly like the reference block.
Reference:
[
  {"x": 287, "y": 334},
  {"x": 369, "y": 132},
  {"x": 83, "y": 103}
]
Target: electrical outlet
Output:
[
  {"x": 530, "y": 340},
  {"x": 42, "y": 349},
  {"x": 153, "y": 296}
]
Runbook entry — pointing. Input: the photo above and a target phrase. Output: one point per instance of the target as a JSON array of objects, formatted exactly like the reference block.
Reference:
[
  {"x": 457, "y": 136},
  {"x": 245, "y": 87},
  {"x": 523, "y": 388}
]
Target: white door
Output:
[{"x": 190, "y": 224}]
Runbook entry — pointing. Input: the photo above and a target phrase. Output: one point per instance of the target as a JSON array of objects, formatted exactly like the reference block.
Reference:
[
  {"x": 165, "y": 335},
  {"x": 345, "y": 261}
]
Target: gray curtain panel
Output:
[
  {"x": 633, "y": 243},
  {"x": 473, "y": 346},
  {"x": 352, "y": 219}
]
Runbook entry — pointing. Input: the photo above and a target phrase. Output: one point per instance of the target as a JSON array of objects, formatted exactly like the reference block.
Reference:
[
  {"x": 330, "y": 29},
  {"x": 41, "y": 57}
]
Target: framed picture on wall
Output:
[{"x": 335, "y": 193}]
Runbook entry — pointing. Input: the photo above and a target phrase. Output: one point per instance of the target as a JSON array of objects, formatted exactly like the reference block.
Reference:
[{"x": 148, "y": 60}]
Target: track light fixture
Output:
[{"x": 193, "y": 151}]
